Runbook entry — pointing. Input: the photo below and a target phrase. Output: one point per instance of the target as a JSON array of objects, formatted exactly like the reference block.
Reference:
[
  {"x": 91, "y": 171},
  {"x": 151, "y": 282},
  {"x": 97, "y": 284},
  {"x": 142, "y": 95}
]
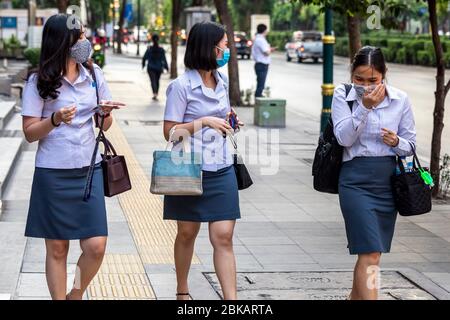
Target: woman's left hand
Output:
[
  {"x": 389, "y": 137},
  {"x": 107, "y": 106}
]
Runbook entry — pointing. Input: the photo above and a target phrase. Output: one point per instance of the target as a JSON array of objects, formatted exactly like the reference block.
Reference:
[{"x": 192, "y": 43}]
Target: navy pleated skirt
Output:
[
  {"x": 367, "y": 203},
  {"x": 57, "y": 210},
  {"x": 219, "y": 201}
]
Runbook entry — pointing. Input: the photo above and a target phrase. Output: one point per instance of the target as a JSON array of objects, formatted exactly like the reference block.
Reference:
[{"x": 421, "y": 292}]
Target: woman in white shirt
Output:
[
  {"x": 379, "y": 126},
  {"x": 59, "y": 102}
]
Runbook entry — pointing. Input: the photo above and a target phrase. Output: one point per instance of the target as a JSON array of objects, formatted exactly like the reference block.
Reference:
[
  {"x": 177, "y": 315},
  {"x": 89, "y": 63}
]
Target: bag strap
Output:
[
  {"x": 416, "y": 162},
  {"x": 348, "y": 88},
  {"x": 90, "y": 174},
  {"x": 415, "y": 157}
]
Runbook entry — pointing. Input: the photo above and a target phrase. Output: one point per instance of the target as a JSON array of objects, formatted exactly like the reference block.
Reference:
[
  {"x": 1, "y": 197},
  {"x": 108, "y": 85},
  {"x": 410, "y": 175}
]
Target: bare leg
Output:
[
  {"x": 221, "y": 236},
  {"x": 184, "y": 249},
  {"x": 88, "y": 265},
  {"x": 56, "y": 267},
  {"x": 366, "y": 277}
]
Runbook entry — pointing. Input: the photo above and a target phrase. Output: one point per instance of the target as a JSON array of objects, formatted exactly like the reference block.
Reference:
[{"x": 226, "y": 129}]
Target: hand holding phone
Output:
[
  {"x": 233, "y": 120},
  {"x": 106, "y": 106}
]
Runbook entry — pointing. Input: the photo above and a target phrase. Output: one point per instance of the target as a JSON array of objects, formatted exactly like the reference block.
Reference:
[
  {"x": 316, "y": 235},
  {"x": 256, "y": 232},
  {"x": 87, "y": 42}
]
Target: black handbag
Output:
[
  {"x": 115, "y": 172},
  {"x": 244, "y": 180},
  {"x": 328, "y": 157},
  {"x": 411, "y": 194}
]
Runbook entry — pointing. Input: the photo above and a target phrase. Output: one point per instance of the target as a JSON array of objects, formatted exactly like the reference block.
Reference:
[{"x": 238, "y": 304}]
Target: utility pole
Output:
[
  {"x": 328, "y": 53},
  {"x": 138, "y": 26}
]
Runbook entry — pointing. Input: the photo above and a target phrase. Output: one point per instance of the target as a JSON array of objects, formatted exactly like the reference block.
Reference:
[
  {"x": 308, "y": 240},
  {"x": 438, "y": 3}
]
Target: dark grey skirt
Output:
[
  {"x": 367, "y": 203},
  {"x": 57, "y": 210},
  {"x": 219, "y": 201}
]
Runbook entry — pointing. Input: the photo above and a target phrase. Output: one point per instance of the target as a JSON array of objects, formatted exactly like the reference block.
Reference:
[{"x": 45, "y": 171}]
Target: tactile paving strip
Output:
[
  {"x": 123, "y": 276},
  {"x": 154, "y": 237}
]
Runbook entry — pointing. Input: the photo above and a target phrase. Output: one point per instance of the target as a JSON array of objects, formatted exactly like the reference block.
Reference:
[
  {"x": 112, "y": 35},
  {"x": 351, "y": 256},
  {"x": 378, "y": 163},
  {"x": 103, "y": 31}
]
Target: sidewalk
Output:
[{"x": 289, "y": 244}]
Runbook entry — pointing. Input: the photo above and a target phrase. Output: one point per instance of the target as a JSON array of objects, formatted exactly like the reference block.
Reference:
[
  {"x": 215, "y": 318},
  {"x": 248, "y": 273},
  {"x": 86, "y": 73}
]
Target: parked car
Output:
[
  {"x": 243, "y": 45},
  {"x": 305, "y": 45}
]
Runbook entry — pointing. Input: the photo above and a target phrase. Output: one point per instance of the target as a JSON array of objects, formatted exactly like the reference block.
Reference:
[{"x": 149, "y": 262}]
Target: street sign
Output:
[
  {"x": 129, "y": 12},
  {"x": 8, "y": 22}
]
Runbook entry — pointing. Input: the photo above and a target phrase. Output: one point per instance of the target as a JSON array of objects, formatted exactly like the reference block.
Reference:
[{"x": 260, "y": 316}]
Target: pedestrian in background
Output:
[
  {"x": 379, "y": 127},
  {"x": 59, "y": 102},
  {"x": 155, "y": 57},
  {"x": 261, "y": 51},
  {"x": 197, "y": 104}
]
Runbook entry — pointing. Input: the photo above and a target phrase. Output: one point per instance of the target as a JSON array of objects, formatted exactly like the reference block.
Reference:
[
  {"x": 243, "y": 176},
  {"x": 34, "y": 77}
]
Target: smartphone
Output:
[
  {"x": 233, "y": 120},
  {"x": 106, "y": 105}
]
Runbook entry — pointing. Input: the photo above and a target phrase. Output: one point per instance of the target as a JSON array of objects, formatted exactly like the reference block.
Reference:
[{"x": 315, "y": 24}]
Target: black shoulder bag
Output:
[
  {"x": 328, "y": 157},
  {"x": 412, "y": 194},
  {"x": 115, "y": 172}
]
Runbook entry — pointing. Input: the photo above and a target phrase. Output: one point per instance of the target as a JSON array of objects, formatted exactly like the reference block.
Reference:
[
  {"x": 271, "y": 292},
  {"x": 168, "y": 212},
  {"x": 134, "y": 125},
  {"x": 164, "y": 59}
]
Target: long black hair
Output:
[
  {"x": 370, "y": 56},
  {"x": 60, "y": 33},
  {"x": 202, "y": 39}
]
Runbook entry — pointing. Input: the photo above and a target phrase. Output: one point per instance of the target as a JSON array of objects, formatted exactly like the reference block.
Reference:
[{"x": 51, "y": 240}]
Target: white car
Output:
[{"x": 305, "y": 45}]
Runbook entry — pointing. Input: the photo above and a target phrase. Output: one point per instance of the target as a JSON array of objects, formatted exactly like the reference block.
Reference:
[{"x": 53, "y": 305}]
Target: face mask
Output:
[
  {"x": 360, "y": 90},
  {"x": 226, "y": 56},
  {"x": 81, "y": 51}
]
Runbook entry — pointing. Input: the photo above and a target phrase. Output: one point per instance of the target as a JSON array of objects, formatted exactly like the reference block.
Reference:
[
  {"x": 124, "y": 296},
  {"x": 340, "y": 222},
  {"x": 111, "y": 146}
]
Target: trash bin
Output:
[{"x": 270, "y": 112}]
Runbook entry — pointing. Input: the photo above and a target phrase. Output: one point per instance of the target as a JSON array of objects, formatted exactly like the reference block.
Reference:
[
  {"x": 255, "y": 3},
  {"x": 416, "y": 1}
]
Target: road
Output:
[{"x": 300, "y": 85}]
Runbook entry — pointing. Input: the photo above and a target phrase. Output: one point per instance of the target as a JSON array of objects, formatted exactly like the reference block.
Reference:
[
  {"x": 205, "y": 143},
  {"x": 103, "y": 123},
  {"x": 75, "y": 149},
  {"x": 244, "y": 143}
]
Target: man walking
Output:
[{"x": 261, "y": 51}]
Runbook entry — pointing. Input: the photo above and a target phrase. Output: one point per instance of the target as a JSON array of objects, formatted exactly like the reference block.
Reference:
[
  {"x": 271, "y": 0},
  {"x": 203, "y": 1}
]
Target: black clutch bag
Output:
[{"x": 412, "y": 193}]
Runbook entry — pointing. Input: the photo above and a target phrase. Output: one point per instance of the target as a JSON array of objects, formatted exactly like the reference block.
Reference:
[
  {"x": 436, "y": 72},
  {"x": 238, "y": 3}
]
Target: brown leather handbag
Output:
[{"x": 115, "y": 172}]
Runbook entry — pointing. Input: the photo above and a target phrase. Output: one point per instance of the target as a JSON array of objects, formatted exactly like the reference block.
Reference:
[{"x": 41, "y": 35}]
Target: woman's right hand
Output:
[
  {"x": 218, "y": 124},
  {"x": 66, "y": 114},
  {"x": 374, "y": 98}
]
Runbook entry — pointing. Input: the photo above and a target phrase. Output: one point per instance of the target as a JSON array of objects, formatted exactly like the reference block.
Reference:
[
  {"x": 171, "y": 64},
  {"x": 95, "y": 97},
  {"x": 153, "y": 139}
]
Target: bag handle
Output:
[
  {"x": 170, "y": 144},
  {"x": 109, "y": 148}
]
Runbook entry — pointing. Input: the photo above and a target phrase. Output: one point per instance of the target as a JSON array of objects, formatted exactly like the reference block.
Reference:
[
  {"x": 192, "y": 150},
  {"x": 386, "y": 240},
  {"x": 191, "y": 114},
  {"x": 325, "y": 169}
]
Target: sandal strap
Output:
[{"x": 183, "y": 294}]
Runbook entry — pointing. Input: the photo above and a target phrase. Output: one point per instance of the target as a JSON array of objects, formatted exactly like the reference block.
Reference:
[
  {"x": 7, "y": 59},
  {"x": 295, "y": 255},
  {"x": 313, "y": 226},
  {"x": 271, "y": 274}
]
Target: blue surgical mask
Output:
[{"x": 226, "y": 57}]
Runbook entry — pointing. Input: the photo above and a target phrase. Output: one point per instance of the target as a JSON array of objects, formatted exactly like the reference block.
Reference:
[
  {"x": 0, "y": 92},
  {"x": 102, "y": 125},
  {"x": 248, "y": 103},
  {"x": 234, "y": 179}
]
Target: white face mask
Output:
[{"x": 360, "y": 90}]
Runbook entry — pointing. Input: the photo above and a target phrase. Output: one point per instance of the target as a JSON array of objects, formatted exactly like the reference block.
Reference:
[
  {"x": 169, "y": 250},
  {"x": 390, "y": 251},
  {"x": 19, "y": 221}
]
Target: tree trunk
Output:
[
  {"x": 62, "y": 5},
  {"x": 121, "y": 21},
  {"x": 92, "y": 21},
  {"x": 354, "y": 34},
  {"x": 176, "y": 9},
  {"x": 257, "y": 6},
  {"x": 105, "y": 13},
  {"x": 233, "y": 70},
  {"x": 440, "y": 95}
]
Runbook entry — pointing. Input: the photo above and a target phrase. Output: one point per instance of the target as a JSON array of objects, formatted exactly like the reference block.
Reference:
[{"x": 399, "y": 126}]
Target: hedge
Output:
[
  {"x": 278, "y": 39},
  {"x": 406, "y": 50}
]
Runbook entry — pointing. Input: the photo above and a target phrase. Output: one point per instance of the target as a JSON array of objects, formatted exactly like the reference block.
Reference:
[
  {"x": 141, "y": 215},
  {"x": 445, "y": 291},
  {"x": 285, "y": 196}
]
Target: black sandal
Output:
[{"x": 185, "y": 294}]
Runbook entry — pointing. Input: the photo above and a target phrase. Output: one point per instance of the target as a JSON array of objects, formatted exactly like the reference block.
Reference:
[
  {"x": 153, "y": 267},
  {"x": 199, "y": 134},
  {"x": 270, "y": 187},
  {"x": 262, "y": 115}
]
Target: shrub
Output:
[{"x": 33, "y": 56}]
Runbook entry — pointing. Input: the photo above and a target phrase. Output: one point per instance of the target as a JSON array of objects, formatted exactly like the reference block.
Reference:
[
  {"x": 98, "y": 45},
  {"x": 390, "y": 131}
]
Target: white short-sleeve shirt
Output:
[
  {"x": 260, "y": 46},
  {"x": 188, "y": 99},
  {"x": 67, "y": 146}
]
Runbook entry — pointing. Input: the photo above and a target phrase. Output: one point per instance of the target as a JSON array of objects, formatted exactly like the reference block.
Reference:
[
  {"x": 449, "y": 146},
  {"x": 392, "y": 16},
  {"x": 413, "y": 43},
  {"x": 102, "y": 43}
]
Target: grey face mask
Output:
[
  {"x": 81, "y": 51},
  {"x": 360, "y": 90}
]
